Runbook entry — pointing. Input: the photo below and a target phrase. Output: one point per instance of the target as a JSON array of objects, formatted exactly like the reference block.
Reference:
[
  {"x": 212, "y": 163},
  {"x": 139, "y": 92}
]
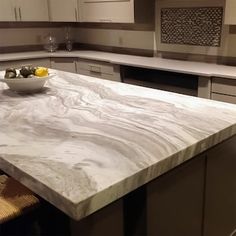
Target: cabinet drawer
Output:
[
  {"x": 223, "y": 98},
  {"x": 64, "y": 64},
  {"x": 224, "y": 86},
  {"x": 103, "y": 70},
  {"x": 96, "y": 67},
  {"x": 114, "y": 77}
]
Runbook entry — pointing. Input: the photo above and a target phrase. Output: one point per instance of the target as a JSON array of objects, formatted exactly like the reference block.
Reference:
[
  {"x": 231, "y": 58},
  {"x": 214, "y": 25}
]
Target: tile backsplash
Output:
[
  {"x": 193, "y": 27},
  {"x": 201, "y": 26}
]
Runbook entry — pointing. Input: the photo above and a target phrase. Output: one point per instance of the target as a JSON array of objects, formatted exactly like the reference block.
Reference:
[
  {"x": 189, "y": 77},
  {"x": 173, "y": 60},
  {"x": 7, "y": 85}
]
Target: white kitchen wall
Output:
[
  {"x": 105, "y": 37},
  {"x": 28, "y": 36},
  {"x": 116, "y": 38}
]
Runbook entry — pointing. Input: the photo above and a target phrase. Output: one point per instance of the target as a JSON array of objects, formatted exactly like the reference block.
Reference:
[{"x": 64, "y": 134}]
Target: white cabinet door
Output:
[
  {"x": 8, "y": 10},
  {"x": 107, "y": 11},
  {"x": 63, "y": 10},
  {"x": 33, "y": 10},
  {"x": 230, "y": 12}
]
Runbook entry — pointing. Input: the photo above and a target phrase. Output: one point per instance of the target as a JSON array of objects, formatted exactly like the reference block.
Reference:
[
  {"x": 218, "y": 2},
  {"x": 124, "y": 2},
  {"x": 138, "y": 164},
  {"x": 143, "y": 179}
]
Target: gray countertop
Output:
[
  {"x": 85, "y": 142},
  {"x": 187, "y": 67}
]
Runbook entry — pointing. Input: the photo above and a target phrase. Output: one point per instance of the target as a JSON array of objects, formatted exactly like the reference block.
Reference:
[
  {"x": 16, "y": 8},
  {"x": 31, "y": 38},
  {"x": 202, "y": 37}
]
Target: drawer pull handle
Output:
[
  {"x": 106, "y": 20},
  {"x": 95, "y": 69},
  {"x": 15, "y": 13},
  {"x": 76, "y": 15},
  {"x": 20, "y": 13}
]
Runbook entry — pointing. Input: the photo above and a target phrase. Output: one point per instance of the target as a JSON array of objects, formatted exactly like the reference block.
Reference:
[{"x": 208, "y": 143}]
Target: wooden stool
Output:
[{"x": 15, "y": 199}]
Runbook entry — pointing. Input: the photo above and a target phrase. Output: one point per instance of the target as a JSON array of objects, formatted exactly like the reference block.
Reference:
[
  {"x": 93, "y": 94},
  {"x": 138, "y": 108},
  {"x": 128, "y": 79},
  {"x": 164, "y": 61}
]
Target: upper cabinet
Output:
[
  {"x": 24, "y": 10},
  {"x": 108, "y": 11},
  {"x": 113, "y": 11},
  {"x": 33, "y": 10},
  {"x": 7, "y": 10},
  {"x": 230, "y": 12},
  {"x": 63, "y": 10}
]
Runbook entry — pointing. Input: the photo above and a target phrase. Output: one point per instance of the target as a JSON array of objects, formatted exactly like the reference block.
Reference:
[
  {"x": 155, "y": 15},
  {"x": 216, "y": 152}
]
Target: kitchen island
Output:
[{"x": 84, "y": 143}]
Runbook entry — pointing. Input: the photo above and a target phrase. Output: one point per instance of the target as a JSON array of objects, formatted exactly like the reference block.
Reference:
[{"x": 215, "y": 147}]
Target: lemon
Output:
[{"x": 41, "y": 72}]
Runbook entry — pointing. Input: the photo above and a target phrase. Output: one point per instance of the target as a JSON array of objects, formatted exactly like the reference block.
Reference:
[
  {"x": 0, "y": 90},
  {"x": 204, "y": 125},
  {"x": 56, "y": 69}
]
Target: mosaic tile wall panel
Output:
[{"x": 200, "y": 26}]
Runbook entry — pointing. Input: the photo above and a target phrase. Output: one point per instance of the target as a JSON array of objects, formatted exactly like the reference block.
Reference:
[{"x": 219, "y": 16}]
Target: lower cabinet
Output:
[
  {"x": 220, "y": 202},
  {"x": 175, "y": 201},
  {"x": 223, "y": 98},
  {"x": 45, "y": 62},
  {"x": 64, "y": 64},
  {"x": 204, "y": 87},
  {"x": 223, "y": 90},
  {"x": 98, "y": 69},
  {"x": 197, "y": 198},
  {"x": 108, "y": 221}
]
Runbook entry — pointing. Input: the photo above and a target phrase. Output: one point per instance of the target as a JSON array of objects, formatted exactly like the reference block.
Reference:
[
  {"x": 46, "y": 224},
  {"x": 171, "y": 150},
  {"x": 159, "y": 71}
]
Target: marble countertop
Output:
[
  {"x": 85, "y": 142},
  {"x": 187, "y": 67}
]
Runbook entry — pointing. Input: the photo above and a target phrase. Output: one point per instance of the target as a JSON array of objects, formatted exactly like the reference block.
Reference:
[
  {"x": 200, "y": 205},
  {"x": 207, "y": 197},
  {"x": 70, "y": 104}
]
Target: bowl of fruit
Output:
[{"x": 26, "y": 79}]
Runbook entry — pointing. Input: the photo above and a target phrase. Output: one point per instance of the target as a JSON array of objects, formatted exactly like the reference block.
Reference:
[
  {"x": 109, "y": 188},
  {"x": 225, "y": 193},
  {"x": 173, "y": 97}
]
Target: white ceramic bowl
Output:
[{"x": 28, "y": 85}]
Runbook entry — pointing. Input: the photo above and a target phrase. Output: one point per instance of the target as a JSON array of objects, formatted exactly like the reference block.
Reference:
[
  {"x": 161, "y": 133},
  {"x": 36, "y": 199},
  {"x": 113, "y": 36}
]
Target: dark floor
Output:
[{"x": 44, "y": 221}]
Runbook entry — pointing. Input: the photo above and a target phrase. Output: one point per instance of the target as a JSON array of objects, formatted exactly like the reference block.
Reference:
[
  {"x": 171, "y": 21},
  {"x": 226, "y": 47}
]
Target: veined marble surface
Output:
[{"x": 84, "y": 142}]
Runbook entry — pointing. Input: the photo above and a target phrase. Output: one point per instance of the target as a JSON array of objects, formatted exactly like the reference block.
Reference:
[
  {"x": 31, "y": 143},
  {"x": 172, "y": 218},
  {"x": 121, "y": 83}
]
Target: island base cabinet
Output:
[
  {"x": 220, "y": 203},
  {"x": 107, "y": 221},
  {"x": 175, "y": 201}
]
